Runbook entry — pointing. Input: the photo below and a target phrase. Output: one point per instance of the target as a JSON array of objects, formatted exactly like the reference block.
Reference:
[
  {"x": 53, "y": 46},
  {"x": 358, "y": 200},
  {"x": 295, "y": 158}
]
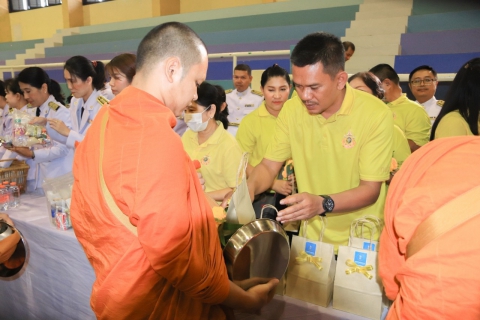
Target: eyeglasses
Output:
[{"x": 418, "y": 82}]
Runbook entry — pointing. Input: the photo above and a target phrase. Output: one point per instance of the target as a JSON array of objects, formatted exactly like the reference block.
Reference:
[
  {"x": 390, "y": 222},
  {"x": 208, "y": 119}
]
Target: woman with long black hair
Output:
[{"x": 460, "y": 113}]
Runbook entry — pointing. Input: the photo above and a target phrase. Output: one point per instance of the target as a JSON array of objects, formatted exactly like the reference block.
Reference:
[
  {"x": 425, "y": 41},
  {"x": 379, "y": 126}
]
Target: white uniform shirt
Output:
[
  {"x": 433, "y": 107},
  {"x": 107, "y": 92},
  {"x": 3, "y": 113},
  {"x": 240, "y": 104},
  {"x": 56, "y": 159},
  {"x": 80, "y": 124}
]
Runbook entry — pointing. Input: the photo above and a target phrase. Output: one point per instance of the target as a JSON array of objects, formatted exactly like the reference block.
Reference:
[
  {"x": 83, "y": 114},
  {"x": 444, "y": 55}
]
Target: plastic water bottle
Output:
[
  {"x": 4, "y": 198},
  {"x": 10, "y": 194},
  {"x": 15, "y": 194}
]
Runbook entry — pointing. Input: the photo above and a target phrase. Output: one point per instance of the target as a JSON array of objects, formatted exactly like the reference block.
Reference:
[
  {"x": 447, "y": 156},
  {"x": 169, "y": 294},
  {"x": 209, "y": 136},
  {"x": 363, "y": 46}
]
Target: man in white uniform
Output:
[
  {"x": 242, "y": 100},
  {"x": 423, "y": 84}
]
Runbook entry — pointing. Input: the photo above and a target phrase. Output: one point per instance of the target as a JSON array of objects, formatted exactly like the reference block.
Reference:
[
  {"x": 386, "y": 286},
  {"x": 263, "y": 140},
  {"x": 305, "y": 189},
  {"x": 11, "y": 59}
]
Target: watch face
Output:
[{"x": 328, "y": 204}]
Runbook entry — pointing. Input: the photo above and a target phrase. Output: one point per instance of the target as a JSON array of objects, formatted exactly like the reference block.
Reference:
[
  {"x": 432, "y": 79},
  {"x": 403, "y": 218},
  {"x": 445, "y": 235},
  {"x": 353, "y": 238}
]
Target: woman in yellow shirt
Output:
[
  {"x": 257, "y": 128},
  {"x": 207, "y": 141},
  {"x": 368, "y": 82},
  {"x": 460, "y": 113}
]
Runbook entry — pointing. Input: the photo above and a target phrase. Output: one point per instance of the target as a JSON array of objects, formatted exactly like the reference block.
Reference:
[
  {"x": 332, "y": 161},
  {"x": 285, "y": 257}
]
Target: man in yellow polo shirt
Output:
[
  {"x": 340, "y": 140},
  {"x": 408, "y": 115}
]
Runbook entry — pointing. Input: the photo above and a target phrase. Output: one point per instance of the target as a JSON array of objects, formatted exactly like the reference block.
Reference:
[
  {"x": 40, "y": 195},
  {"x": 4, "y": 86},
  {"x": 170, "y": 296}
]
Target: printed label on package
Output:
[
  {"x": 310, "y": 248},
  {"x": 360, "y": 258},
  {"x": 366, "y": 246}
]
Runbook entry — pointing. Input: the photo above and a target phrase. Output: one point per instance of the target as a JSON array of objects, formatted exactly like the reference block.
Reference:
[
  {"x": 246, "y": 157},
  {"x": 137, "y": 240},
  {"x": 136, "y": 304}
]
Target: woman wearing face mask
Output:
[
  {"x": 257, "y": 128},
  {"x": 207, "y": 141},
  {"x": 121, "y": 70},
  {"x": 45, "y": 97},
  {"x": 368, "y": 82}
]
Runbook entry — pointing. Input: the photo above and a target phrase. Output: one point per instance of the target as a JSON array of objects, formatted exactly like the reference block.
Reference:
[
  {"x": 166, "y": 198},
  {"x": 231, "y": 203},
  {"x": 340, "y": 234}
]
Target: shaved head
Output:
[{"x": 171, "y": 39}]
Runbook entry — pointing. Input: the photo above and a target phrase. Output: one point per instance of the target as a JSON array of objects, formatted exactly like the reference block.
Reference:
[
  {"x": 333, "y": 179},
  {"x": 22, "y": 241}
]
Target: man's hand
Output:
[
  {"x": 261, "y": 295},
  {"x": 284, "y": 187},
  {"x": 227, "y": 198},
  {"x": 302, "y": 206},
  {"x": 6, "y": 218},
  {"x": 202, "y": 181}
]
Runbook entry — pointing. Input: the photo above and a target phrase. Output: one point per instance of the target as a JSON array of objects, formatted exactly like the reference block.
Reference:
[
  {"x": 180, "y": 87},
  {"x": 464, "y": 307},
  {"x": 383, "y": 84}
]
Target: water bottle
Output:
[
  {"x": 4, "y": 198},
  {"x": 11, "y": 203},
  {"x": 15, "y": 194}
]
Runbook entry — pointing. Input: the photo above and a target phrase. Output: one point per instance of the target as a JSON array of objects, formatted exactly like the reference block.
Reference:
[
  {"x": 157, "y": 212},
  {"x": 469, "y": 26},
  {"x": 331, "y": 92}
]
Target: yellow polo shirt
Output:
[
  {"x": 219, "y": 156},
  {"x": 401, "y": 149},
  {"x": 412, "y": 119},
  {"x": 255, "y": 133},
  {"x": 332, "y": 155},
  {"x": 453, "y": 124}
]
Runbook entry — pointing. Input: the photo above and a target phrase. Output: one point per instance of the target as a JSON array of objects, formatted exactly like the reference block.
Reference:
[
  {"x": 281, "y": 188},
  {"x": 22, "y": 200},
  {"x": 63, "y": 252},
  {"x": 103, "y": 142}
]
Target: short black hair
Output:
[
  {"x": 347, "y": 45},
  {"x": 423, "y": 67},
  {"x": 244, "y": 67},
  {"x": 385, "y": 71},
  {"x": 2, "y": 89},
  {"x": 12, "y": 86},
  {"x": 274, "y": 71},
  {"x": 168, "y": 40},
  {"x": 320, "y": 47}
]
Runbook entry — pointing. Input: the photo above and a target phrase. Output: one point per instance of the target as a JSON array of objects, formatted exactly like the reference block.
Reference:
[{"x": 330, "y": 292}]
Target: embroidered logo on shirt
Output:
[
  {"x": 206, "y": 160},
  {"x": 249, "y": 106},
  {"x": 348, "y": 140}
]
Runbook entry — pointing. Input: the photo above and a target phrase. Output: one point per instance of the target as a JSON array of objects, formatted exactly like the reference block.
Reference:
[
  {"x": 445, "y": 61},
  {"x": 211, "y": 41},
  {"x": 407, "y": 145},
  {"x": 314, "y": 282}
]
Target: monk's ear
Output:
[{"x": 173, "y": 69}]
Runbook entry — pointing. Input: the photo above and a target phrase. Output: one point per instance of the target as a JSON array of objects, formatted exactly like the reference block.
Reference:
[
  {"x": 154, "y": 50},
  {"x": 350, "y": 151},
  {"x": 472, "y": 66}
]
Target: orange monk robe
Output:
[
  {"x": 441, "y": 281},
  {"x": 175, "y": 268}
]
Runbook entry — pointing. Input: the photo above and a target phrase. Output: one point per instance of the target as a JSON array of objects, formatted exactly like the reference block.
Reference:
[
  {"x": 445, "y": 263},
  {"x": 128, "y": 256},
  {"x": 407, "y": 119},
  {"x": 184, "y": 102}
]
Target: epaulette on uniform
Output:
[
  {"x": 29, "y": 106},
  {"x": 258, "y": 93},
  {"x": 228, "y": 91},
  {"x": 440, "y": 103},
  {"x": 53, "y": 106},
  {"x": 102, "y": 100}
]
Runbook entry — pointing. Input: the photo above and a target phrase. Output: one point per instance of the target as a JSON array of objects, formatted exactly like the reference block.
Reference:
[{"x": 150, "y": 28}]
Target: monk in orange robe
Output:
[
  {"x": 174, "y": 268},
  {"x": 441, "y": 280}
]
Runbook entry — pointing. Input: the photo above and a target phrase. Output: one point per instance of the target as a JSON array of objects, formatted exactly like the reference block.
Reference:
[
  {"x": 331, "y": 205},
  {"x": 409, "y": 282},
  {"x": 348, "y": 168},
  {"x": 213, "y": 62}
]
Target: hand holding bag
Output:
[
  {"x": 240, "y": 209},
  {"x": 311, "y": 269}
]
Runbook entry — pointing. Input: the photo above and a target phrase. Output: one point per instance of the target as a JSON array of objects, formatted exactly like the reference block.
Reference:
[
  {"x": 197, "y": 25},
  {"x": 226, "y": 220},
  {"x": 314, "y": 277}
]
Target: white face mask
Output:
[{"x": 194, "y": 121}]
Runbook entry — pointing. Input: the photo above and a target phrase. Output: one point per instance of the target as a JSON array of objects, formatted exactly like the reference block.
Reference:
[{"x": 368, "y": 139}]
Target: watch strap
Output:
[{"x": 325, "y": 208}]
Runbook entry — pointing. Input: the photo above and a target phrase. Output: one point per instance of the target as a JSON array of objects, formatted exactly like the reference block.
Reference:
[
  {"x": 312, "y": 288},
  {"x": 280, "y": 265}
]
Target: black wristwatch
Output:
[{"x": 328, "y": 205}]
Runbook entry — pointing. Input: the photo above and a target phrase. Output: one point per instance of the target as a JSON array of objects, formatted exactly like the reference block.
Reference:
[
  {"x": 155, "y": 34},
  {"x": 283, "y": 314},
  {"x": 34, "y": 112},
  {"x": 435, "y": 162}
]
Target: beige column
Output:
[
  {"x": 72, "y": 13},
  {"x": 165, "y": 7},
  {"x": 6, "y": 34}
]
